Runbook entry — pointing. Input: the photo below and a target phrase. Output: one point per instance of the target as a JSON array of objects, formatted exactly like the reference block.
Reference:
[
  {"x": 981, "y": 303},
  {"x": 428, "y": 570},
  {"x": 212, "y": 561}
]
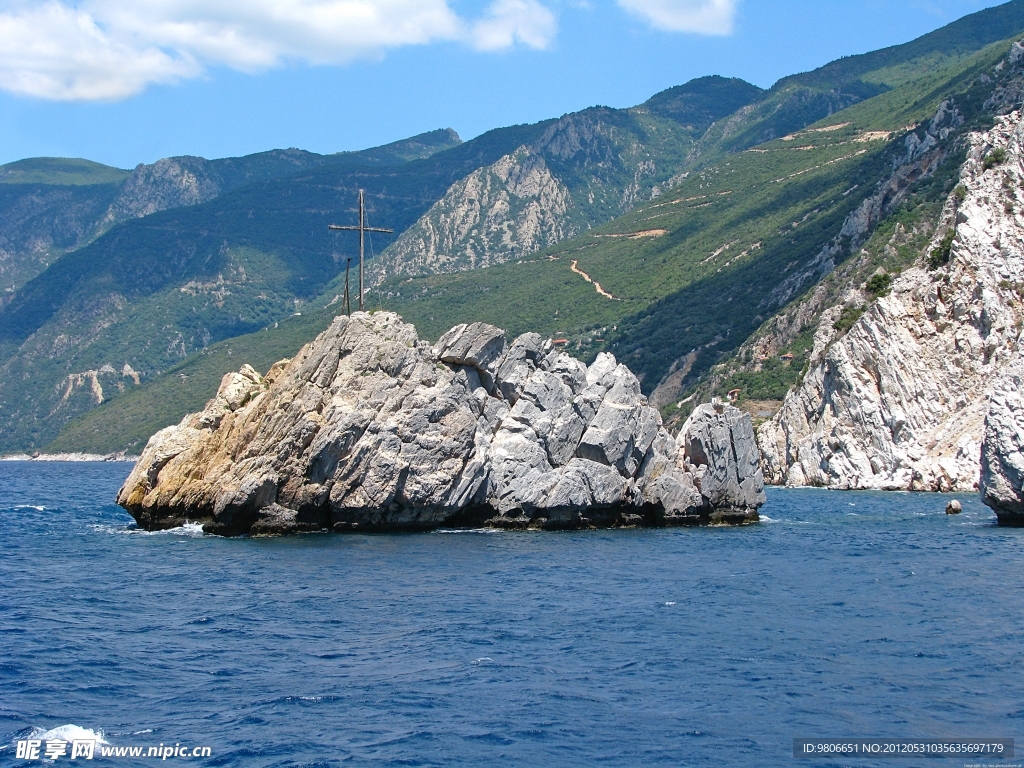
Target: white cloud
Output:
[
  {"x": 507, "y": 21},
  {"x": 113, "y": 49},
  {"x": 56, "y": 52},
  {"x": 705, "y": 17}
]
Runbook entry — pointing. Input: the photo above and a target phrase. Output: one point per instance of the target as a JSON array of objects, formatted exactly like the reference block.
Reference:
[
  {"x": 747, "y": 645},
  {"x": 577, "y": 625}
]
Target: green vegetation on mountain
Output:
[
  {"x": 799, "y": 100},
  {"x": 699, "y": 103},
  {"x": 729, "y": 237},
  {"x": 901, "y": 64},
  {"x": 582, "y": 171},
  {"x": 232, "y": 172},
  {"x": 60, "y": 171},
  {"x": 126, "y": 422},
  {"x": 40, "y": 222}
]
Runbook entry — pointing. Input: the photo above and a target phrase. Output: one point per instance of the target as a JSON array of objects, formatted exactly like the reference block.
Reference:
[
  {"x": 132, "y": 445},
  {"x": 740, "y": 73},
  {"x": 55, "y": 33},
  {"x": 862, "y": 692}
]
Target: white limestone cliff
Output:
[
  {"x": 1002, "y": 450},
  {"x": 899, "y": 401}
]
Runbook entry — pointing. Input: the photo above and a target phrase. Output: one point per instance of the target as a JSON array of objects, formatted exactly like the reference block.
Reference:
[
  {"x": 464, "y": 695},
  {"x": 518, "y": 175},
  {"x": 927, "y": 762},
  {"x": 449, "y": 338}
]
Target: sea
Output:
[{"x": 841, "y": 615}]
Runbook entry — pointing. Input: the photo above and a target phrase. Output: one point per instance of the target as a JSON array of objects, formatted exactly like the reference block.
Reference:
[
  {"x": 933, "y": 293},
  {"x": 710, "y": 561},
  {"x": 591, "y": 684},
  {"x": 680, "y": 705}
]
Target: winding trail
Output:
[{"x": 589, "y": 279}]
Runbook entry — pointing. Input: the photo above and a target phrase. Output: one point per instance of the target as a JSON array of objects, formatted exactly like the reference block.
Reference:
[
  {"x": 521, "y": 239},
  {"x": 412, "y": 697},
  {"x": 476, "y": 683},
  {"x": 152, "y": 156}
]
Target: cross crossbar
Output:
[{"x": 356, "y": 229}]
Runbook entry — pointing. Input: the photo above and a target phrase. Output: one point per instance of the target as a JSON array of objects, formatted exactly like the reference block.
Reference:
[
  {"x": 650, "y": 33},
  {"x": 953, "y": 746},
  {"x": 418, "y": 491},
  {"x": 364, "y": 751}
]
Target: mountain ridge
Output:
[
  {"x": 733, "y": 222},
  {"x": 583, "y": 170},
  {"x": 52, "y": 206}
]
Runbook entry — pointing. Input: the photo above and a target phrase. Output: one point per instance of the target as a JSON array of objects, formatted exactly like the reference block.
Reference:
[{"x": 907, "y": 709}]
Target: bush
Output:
[
  {"x": 879, "y": 284},
  {"x": 960, "y": 193},
  {"x": 846, "y": 320},
  {"x": 994, "y": 158},
  {"x": 940, "y": 253}
]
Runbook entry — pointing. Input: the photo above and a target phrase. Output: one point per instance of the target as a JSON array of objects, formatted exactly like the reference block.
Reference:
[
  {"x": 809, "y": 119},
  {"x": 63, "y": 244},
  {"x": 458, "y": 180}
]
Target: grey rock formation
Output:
[
  {"x": 1002, "y": 450},
  {"x": 480, "y": 345},
  {"x": 369, "y": 428},
  {"x": 720, "y": 441},
  {"x": 503, "y": 211},
  {"x": 954, "y": 507},
  {"x": 167, "y": 183},
  {"x": 899, "y": 401}
]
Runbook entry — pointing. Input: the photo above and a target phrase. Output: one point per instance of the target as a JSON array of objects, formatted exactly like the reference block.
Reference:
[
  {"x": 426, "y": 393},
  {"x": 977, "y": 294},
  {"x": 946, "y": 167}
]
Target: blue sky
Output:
[{"x": 127, "y": 82}]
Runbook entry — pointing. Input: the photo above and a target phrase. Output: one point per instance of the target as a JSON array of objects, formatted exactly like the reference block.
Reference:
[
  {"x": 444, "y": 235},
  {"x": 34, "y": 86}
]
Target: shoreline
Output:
[
  {"x": 953, "y": 492},
  {"x": 107, "y": 457}
]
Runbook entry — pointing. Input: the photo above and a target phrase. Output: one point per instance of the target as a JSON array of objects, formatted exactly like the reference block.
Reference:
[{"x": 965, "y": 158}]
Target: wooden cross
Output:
[{"x": 361, "y": 228}]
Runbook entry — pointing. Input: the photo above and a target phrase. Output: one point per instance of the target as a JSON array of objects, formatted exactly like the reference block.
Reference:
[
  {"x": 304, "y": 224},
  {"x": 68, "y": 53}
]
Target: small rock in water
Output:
[{"x": 954, "y": 508}]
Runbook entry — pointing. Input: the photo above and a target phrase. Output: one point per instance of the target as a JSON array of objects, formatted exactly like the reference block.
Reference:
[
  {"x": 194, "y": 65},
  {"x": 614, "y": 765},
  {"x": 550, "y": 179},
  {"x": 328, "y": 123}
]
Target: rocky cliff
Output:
[
  {"x": 504, "y": 211},
  {"x": 1002, "y": 449},
  {"x": 168, "y": 183},
  {"x": 899, "y": 399},
  {"x": 370, "y": 428}
]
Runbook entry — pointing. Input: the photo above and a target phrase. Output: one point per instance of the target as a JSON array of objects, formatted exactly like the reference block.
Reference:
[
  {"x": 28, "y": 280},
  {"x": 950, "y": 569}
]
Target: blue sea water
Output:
[{"x": 840, "y": 615}]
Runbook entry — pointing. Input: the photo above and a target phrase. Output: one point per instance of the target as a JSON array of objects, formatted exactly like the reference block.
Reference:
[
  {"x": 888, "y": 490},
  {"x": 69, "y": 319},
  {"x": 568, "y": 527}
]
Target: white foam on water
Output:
[
  {"x": 766, "y": 519},
  {"x": 192, "y": 530},
  {"x": 673, "y": 602},
  {"x": 468, "y": 530},
  {"x": 69, "y": 732},
  {"x": 37, "y": 508},
  {"x": 189, "y": 530}
]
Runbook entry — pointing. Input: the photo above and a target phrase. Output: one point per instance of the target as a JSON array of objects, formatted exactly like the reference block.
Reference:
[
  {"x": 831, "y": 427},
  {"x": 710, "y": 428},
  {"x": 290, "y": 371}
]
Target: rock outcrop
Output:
[
  {"x": 168, "y": 183},
  {"x": 1002, "y": 451},
  {"x": 369, "y": 428},
  {"x": 500, "y": 212},
  {"x": 899, "y": 400}
]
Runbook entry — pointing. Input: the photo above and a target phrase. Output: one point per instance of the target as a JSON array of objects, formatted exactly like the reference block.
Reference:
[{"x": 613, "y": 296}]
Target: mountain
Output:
[
  {"x": 585, "y": 169},
  {"x": 595, "y": 164},
  {"x": 903, "y": 366},
  {"x": 686, "y": 279},
  {"x": 732, "y": 241},
  {"x": 796, "y": 101},
  {"x": 52, "y": 206}
]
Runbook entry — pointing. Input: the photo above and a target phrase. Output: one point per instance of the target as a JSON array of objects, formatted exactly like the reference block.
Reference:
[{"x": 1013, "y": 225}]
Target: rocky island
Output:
[{"x": 369, "y": 428}]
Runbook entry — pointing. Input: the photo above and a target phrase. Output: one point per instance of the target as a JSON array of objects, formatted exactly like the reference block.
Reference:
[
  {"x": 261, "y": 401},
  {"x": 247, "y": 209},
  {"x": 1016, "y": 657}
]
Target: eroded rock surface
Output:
[
  {"x": 899, "y": 401},
  {"x": 1002, "y": 451},
  {"x": 503, "y": 211},
  {"x": 370, "y": 428}
]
